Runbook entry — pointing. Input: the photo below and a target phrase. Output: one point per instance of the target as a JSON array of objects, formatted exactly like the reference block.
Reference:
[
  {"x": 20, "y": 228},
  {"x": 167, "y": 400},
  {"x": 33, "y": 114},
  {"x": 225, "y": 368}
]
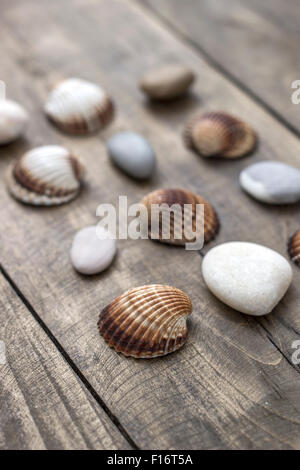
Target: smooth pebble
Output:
[
  {"x": 132, "y": 153},
  {"x": 248, "y": 277},
  {"x": 92, "y": 250},
  {"x": 272, "y": 182},
  {"x": 167, "y": 82}
]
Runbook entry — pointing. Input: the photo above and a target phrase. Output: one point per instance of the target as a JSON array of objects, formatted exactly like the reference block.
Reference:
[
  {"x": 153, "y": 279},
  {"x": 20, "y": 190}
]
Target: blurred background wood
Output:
[
  {"x": 255, "y": 43},
  {"x": 233, "y": 385}
]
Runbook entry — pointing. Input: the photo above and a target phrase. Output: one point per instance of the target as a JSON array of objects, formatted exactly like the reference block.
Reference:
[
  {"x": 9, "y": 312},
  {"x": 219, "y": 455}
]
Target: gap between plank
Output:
[
  {"x": 213, "y": 63},
  {"x": 68, "y": 359}
]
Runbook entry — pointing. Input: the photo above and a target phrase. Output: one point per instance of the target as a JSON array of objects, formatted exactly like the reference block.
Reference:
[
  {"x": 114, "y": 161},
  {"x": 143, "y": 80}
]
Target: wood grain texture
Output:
[
  {"x": 256, "y": 43},
  {"x": 233, "y": 384},
  {"x": 43, "y": 405}
]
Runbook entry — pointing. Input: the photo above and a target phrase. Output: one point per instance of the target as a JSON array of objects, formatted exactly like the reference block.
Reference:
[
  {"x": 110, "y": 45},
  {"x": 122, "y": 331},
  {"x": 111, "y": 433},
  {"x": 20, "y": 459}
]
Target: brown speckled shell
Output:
[
  {"x": 219, "y": 134},
  {"x": 182, "y": 197},
  {"x": 294, "y": 248},
  {"x": 146, "y": 321}
]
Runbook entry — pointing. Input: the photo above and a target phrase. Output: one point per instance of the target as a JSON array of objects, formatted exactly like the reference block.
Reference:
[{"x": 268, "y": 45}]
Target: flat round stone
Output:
[
  {"x": 92, "y": 250},
  {"x": 272, "y": 182},
  {"x": 167, "y": 82},
  {"x": 248, "y": 277},
  {"x": 132, "y": 153}
]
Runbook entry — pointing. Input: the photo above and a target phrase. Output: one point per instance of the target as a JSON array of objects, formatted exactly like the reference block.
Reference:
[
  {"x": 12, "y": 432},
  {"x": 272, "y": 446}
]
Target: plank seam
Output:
[
  {"x": 69, "y": 361},
  {"x": 213, "y": 63}
]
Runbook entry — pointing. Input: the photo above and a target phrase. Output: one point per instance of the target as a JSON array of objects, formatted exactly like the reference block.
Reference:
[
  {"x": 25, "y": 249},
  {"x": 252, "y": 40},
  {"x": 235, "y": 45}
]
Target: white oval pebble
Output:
[
  {"x": 132, "y": 153},
  {"x": 92, "y": 250},
  {"x": 272, "y": 182},
  {"x": 248, "y": 277},
  {"x": 13, "y": 121}
]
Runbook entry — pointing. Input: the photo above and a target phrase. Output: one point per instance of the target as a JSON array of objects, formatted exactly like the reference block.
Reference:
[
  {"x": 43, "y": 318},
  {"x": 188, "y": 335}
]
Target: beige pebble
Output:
[{"x": 167, "y": 82}]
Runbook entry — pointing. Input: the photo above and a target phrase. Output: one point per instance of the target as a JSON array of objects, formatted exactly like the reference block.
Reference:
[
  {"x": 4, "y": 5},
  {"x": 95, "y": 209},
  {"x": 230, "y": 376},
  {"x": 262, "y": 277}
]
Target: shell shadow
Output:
[
  {"x": 173, "y": 109},
  {"x": 16, "y": 147}
]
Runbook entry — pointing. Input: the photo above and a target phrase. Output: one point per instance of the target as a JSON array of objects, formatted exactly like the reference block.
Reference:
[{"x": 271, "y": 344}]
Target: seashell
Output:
[
  {"x": 294, "y": 247},
  {"x": 219, "y": 134},
  {"x": 13, "y": 121},
  {"x": 177, "y": 235},
  {"x": 167, "y": 82},
  {"x": 45, "y": 176},
  {"x": 146, "y": 321},
  {"x": 79, "y": 107}
]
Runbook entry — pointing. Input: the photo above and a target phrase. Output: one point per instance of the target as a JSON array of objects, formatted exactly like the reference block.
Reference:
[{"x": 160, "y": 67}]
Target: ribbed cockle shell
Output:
[
  {"x": 13, "y": 121},
  {"x": 219, "y": 134},
  {"x": 48, "y": 175},
  {"x": 79, "y": 107},
  {"x": 178, "y": 233},
  {"x": 294, "y": 247},
  {"x": 146, "y": 321}
]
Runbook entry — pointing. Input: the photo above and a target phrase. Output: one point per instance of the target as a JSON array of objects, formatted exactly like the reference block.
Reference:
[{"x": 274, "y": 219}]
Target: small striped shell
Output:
[
  {"x": 46, "y": 176},
  {"x": 146, "y": 321},
  {"x": 79, "y": 107},
  {"x": 178, "y": 234},
  {"x": 294, "y": 247},
  {"x": 13, "y": 121},
  {"x": 219, "y": 134}
]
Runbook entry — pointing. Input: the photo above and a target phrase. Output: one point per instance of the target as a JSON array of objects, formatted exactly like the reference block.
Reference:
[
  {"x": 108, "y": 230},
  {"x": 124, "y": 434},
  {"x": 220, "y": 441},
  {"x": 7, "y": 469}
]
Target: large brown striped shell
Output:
[
  {"x": 79, "y": 107},
  {"x": 219, "y": 134},
  {"x": 177, "y": 235},
  {"x": 146, "y": 321},
  {"x": 294, "y": 247},
  {"x": 45, "y": 176}
]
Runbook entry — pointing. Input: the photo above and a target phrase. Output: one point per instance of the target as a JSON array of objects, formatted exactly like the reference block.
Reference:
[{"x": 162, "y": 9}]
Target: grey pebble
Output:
[
  {"x": 132, "y": 153},
  {"x": 272, "y": 182}
]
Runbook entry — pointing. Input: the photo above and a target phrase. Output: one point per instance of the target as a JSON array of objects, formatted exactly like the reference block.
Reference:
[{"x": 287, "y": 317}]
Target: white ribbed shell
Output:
[
  {"x": 79, "y": 106},
  {"x": 13, "y": 121},
  {"x": 50, "y": 164},
  {"x": 46, "y": 175}
]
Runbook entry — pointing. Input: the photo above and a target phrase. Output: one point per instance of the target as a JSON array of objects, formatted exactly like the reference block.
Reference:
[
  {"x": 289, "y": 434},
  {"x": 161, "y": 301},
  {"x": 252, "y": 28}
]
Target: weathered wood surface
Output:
[
  {"x": 233, "y": 385},
  {"x": 255, "y": 42},
  {"x": 43, "y": 404}
]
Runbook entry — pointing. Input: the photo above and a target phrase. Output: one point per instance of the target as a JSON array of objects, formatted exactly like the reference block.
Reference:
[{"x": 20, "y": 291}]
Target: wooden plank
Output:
[
  {"x": 256, "y": 43},
  {"x": 230, "y": 386},
  {"x": 43, "y": 404}
]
